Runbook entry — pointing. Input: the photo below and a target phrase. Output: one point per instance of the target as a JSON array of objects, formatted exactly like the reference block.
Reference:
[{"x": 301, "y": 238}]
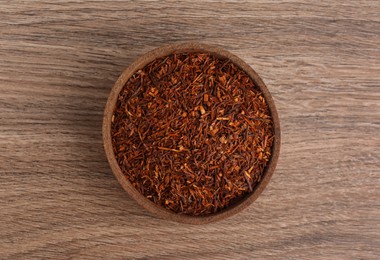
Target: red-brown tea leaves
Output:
[{"x": 192, "y": 133}]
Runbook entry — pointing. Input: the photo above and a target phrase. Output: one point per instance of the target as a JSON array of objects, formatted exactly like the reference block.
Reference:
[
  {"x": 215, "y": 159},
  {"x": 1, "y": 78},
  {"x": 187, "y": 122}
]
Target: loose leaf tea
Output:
[{"x": 192, "y": 133}]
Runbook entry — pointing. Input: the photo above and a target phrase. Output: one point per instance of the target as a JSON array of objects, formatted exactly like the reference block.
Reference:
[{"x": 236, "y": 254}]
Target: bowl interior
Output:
[{"x": 142, "y": 200}]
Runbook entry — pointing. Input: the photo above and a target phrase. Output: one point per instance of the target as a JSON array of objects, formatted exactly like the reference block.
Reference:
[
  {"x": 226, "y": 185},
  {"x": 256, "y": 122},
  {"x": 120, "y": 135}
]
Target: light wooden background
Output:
[{"x": 58, "y": 62}]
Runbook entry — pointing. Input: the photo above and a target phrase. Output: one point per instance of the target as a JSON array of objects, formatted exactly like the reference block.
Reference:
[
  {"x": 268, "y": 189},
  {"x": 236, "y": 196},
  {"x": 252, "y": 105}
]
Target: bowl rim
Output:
[{"x": 141, "y": 62}]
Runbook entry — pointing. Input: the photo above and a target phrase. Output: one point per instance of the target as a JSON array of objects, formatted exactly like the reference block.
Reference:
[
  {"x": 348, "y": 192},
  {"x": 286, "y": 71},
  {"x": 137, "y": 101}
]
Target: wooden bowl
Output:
[{"x": 136, "y": 195}]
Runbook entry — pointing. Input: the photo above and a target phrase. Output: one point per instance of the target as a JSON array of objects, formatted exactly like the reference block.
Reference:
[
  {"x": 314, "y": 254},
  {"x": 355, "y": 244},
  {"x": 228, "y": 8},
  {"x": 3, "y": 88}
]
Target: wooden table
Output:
[{"x": 58, "y": 62}]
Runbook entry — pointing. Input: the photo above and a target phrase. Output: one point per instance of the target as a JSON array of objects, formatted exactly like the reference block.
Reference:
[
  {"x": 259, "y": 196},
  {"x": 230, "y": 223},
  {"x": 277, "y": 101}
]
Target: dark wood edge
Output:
[{"x": 107, "y": 141}]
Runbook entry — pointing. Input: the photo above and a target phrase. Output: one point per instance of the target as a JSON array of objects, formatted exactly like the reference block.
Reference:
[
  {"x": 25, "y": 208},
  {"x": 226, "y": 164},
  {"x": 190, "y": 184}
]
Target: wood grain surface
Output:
[{"x": 58, "y": 62}]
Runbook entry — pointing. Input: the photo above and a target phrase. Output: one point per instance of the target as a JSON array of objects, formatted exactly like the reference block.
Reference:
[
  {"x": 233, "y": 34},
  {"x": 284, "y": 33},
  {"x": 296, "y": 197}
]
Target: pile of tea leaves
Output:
[{"x": 192, "y": 133}]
